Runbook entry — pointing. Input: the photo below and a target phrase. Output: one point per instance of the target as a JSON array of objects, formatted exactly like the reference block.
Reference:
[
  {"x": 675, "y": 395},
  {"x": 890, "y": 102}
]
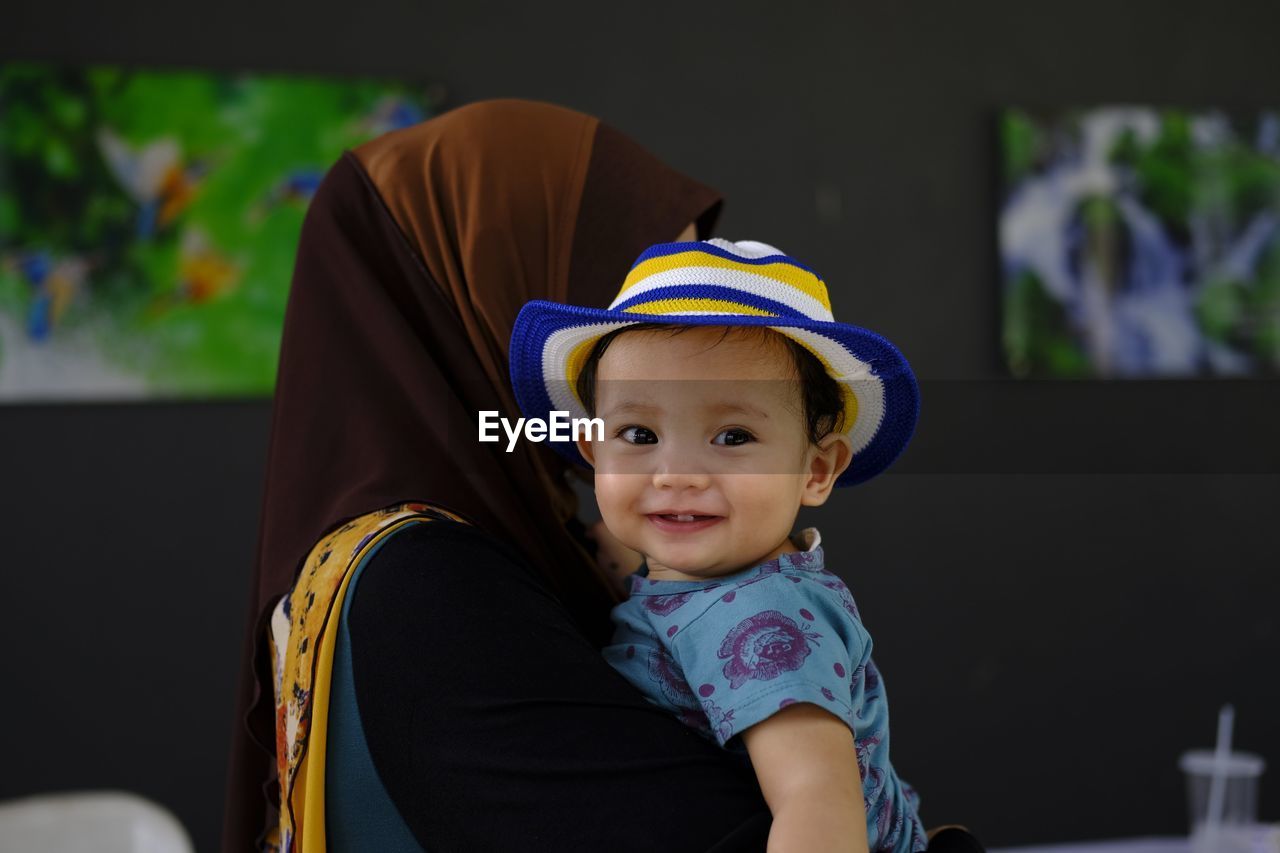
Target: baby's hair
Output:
[{"x": 822, "y": 402}]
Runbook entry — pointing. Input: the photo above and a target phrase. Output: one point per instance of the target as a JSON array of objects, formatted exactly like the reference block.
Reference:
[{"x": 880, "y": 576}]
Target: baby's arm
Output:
[{"x": 805, "y": 761}]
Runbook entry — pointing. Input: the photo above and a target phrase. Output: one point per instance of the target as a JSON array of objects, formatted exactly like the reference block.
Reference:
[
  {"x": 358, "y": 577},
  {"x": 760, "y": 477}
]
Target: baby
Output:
[{"x": 730, "y": 398}]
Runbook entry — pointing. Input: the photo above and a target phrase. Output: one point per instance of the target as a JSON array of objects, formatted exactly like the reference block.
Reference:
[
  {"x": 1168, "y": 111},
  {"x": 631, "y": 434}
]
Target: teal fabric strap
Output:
[{"x": 359, "y": 814}]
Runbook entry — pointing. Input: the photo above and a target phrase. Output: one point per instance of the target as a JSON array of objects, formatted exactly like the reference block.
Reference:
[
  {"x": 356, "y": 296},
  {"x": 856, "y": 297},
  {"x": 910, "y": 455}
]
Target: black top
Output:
[{"x": 495, "y": 725}]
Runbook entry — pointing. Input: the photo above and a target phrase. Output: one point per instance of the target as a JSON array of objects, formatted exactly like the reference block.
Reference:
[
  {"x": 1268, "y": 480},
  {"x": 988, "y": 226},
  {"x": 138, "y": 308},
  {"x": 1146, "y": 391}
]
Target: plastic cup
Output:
[{"x": 1239, "y": 817}]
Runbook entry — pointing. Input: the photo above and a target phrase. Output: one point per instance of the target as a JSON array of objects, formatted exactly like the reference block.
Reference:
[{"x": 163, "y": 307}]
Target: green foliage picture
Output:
[
  {"x": 149, "y": 221},
  {"x": 1140, "y": 242}
]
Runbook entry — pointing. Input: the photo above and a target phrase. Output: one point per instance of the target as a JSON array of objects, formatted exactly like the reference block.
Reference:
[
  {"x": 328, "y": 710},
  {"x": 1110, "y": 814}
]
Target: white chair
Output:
[{"x": 90, "y": 822}]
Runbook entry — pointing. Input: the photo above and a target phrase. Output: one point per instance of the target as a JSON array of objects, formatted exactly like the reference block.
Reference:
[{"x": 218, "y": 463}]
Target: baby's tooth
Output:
[{"x": 684, "y": 518}]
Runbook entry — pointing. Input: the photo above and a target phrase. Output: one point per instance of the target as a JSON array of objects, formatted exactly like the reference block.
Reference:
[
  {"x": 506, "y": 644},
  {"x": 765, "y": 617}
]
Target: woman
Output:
[{"x": 416, "y": 255}]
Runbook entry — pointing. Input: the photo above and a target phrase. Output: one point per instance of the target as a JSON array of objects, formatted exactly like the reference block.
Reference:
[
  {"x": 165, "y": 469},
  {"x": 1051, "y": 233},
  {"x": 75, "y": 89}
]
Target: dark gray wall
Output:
[{"x": 1064, "y": 580}]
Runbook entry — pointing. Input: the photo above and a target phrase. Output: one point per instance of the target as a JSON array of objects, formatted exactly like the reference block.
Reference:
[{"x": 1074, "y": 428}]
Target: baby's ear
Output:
[
  {"x": 586, "y": 448},
  {"x": 827, "y": 462}
]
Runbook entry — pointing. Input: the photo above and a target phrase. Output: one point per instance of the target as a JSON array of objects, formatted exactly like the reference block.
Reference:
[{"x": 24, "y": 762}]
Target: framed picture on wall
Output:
[
  {"x": 1140, "y": 242},
  {"x": 149, "y": 220}
]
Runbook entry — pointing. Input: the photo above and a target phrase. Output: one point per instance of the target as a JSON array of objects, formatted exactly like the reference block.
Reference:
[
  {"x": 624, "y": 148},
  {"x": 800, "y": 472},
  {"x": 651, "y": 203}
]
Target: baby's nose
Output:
[{"x": 681, "y": 471}]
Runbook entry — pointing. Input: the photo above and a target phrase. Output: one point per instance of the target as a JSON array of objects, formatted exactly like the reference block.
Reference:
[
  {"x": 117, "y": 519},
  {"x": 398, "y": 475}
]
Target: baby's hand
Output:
[{"x": 617, "y": 560}]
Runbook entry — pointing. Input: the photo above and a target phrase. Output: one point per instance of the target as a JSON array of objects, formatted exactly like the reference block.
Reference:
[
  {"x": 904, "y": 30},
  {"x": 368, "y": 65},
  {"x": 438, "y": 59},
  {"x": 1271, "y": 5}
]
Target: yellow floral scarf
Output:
[{"x": 302, "y": 647}]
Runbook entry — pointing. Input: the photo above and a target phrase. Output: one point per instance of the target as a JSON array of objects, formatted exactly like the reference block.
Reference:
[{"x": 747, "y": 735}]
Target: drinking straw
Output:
[{"x": 1218, "y": 779}]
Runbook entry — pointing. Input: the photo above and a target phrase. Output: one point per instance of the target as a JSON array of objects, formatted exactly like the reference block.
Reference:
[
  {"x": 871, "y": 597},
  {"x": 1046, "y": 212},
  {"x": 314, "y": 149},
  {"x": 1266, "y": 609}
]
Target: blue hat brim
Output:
[{"x": 539, "y": 320}]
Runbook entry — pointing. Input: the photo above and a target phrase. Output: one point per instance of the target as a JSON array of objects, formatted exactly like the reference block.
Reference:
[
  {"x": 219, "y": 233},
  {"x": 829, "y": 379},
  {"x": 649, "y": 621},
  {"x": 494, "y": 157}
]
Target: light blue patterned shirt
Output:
[{"x": 725, "y": 653}]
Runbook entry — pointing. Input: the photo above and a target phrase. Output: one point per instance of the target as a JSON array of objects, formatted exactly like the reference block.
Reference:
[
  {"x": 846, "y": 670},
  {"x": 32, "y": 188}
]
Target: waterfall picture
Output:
[
  {"x": 149, "y": 221},
  {"x": 1140, "y": 242}
]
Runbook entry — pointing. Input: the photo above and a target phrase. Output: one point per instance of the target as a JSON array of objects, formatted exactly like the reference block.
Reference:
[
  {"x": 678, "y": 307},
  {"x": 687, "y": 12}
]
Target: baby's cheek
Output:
[
  {"x": 769, "y": 502},
  {"x": 611, "y": 489},
  {"x": 763, "y": 493},
  {"x": 616, "y": 495}
]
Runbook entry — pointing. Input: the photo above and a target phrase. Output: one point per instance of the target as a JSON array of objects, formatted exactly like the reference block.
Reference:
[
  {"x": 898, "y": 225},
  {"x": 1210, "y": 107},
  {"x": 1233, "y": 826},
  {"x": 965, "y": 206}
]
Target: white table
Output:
[
  {"x": 1132, "y": 845},
  {"x": 1259, "y": 838}
]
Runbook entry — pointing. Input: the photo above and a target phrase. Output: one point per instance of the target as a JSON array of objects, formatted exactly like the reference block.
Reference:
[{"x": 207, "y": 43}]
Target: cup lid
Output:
[{"x": 1203, "y": 762}]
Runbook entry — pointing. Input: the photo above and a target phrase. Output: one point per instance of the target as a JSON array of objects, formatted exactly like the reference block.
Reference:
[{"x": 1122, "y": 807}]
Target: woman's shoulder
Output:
[
  {"x": 435, "y": 538},
  {"x": 433, "y": 545},
  {"x": 355, "y": 532}
]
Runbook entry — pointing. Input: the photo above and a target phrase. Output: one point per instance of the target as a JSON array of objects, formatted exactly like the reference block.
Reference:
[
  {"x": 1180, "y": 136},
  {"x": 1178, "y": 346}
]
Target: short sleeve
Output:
[{"x": 767, "y": 644}]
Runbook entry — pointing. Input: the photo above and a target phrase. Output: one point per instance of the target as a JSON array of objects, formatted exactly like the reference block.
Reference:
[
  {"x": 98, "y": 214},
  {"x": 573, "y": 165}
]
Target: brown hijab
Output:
[{"x": 416, "y": 254}]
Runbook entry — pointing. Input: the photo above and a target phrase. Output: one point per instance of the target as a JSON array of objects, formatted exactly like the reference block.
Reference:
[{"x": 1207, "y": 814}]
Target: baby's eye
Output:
[
  {"x": 733, "y": 437},
  {"x": 638, "y": 435}
]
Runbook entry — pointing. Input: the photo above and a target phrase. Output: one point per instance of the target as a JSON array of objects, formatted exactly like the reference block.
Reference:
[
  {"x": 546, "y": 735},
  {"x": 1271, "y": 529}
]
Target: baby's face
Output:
[{"x": 705, "y": 459}]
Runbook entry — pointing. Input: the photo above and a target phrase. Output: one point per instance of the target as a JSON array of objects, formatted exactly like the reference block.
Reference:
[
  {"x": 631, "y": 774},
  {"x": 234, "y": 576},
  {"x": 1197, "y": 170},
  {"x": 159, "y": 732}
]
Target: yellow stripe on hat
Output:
[
  {"x": 574, "y": 363},
  {"x": 695, "y": 306},
  {"x": 781, "y": 271}
]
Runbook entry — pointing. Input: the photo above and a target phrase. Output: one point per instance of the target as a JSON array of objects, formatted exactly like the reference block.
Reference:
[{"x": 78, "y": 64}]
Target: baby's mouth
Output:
[{"x": 679, "y": 522}]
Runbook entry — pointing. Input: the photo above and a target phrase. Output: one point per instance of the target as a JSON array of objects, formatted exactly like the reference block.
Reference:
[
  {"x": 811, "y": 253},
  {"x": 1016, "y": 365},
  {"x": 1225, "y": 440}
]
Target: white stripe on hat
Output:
[
  {"x": 746, "y": 248},
  {"x": 748, "y": 283},
  {"x": 868, "y": 389},
  {"x": 555, "y": 356}
]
